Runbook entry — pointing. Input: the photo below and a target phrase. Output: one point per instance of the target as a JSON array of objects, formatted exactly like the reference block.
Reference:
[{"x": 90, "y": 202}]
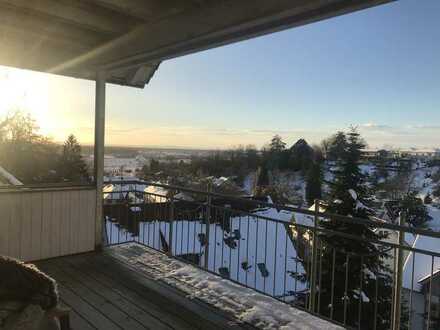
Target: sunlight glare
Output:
[{"x": 28, "y": 92}]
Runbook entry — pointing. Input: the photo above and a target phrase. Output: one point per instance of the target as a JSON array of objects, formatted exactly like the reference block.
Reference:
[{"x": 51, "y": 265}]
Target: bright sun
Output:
[{"x": 25, "y": 91}]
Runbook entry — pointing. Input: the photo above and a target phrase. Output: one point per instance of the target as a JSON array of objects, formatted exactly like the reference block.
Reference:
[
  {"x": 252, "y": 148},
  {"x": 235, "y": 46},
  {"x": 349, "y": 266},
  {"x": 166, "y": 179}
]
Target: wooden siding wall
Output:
[{"x": 43, "y": 224}]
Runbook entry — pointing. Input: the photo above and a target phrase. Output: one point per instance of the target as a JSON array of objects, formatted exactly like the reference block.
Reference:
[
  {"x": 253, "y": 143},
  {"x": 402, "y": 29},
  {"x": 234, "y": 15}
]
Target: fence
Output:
[
  {"x": 46, "y": 222},
  {"x": 367, "y": 276}
]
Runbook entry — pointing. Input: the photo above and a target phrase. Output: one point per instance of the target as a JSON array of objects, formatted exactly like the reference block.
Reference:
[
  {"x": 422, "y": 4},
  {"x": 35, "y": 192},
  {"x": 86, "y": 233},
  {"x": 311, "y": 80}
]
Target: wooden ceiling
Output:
[{"x": 129, "y": 38}]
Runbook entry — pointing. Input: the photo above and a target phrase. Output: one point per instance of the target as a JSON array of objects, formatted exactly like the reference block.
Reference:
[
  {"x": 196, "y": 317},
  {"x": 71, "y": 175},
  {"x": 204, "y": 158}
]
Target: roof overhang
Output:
[{"x": 129, "y": 38}]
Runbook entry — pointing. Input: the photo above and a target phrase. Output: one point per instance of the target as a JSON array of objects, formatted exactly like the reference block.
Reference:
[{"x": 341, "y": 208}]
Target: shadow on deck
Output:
[{"x": 107, "y": 291}]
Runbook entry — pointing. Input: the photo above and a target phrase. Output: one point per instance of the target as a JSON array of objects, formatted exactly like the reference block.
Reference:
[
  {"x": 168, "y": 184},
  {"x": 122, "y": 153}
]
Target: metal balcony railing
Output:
[{"x": 289, "y": 253}]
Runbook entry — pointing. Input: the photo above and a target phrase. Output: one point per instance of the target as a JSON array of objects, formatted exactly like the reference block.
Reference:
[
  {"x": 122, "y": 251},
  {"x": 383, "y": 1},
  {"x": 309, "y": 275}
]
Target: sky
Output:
[{"x": 377, "y": 69}]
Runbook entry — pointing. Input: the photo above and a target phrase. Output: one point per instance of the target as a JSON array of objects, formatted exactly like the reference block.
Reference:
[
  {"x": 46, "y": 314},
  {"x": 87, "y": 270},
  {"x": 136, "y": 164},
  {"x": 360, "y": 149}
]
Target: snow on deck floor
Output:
[{"x": 244, "y": 304}]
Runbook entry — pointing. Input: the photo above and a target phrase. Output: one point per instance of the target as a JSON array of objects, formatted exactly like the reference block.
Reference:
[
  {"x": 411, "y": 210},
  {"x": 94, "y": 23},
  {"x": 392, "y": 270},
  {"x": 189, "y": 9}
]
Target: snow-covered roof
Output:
[
  {"x": 118, "y": 190},
  {"x": 156, "y": 190},
  {"x": 282, "y": 215},
  {"x": 121, "y": 178},
  {"x": 184, "y": 197},
  {"x": 422, "y": 262},
  {"x": 219, "y": 181},
  {"x": 8, "y": 178},
  {"x": 434, "y": 223}
]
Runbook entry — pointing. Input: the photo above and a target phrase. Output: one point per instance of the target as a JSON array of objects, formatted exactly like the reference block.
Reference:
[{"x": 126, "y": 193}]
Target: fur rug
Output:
[{"x": 24, "y": 290}]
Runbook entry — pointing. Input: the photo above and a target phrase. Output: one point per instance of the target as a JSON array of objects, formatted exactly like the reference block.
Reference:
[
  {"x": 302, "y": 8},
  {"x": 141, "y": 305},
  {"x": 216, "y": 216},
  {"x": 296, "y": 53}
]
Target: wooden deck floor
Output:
[{"x": 104, "y": 291}]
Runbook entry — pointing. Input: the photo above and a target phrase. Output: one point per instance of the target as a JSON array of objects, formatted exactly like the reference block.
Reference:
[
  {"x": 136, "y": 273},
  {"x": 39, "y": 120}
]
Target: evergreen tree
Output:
[
  {"x": 335, "y": 146},
  {"x": 262, "y": 177},
  {"x": 71, "y": 165},
  {"x": 314, "y": 182},
  {"x": 362, "y": 262},
  {"x": 154, "y": 165},
  {"x": 277, "y": 144},
  {"x": 277, "y": 155},
  {"x": 415, "y": 210},
  {"x": 252, "y": 157}
]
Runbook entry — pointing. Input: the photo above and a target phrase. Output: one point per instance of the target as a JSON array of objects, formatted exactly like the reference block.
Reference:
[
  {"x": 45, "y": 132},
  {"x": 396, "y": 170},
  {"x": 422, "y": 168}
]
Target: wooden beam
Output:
[
  {"x": 81, "y": 14},
  {"x": 211, "y": 26},
  {"x": 46, "y": 38},
  {"x": 48, "y": 28},
  {"x": 146, "y": 10},
  {"x": 38, "y": 55}
]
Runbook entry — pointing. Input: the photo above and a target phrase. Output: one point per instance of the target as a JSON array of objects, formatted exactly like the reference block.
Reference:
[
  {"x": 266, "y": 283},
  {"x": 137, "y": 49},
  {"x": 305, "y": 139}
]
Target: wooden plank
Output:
[
  {"x": 130, "y": 292},
  {"x": 43, "y": 28},
  {"x": 145, "y": 10},
  {"x": 55, "y": 237},
  {"x": 85, "y": 309},
  {"x": 128, "y": 255},
  {"x": 36, "y": 219},
  {"x": 92, "y": 219},
  {"x": 74, "y": 232},
  {"x": 46, "y": 225},
  {"x": 5, "y": 223},
  {"x": 65, "y": 224},
  {"x": 83, "y": 219},
  {"x": 166, "y": 297},
  {"x": 137, "y": 295},
  {"x": 104, "y": 306},
  {"x": 79, "y": 13},
  {"x": 26, "y": 226},
  {"x": 40, "y": 225},
  {"x": 216, "y": 24},
  {"x": 109, "y": 292},
  {"x": 15, "y": 226},
  {"x": 76, "y": 320}
]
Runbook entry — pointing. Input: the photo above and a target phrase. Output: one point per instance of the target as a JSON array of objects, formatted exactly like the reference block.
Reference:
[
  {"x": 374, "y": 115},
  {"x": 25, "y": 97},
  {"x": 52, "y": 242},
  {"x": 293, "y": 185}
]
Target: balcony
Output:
[
  {"x": 160, "y": 258},
  {"x": 124, "y": 43}
]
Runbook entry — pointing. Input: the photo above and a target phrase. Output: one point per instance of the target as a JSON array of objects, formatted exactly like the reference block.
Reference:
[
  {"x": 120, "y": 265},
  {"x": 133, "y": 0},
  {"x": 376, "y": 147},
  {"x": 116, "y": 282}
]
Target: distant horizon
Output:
[
  {"x": 391, "y": 148},
  {"x": 378, "y": 69}
]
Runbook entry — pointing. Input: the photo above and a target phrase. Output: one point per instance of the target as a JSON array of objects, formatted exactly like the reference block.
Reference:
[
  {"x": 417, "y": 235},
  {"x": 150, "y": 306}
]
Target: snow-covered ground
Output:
[
  {"x": 249, "y": 183},
  {"x": 243, "y": 303}
]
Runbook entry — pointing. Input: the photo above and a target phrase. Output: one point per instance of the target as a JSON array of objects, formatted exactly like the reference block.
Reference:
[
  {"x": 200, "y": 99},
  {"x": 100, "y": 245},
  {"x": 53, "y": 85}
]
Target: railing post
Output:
[
  {"x": 99, "y": 156},
  {"x": 208, "y": 224},
  {"x": 314, "y": 259},
  {"x": 398, "y": 270},
  {"x": 170, "y": 231}
]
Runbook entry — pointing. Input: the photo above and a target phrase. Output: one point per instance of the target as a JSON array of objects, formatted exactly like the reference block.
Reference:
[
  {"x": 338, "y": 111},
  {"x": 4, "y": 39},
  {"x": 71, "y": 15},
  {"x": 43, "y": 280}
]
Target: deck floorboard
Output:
[{"x": 106, "y": 291}]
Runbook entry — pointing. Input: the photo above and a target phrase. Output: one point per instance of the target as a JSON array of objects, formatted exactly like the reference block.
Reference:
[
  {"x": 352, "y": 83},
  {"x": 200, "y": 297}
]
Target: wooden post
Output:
[{"x": 99, "y": 155}]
